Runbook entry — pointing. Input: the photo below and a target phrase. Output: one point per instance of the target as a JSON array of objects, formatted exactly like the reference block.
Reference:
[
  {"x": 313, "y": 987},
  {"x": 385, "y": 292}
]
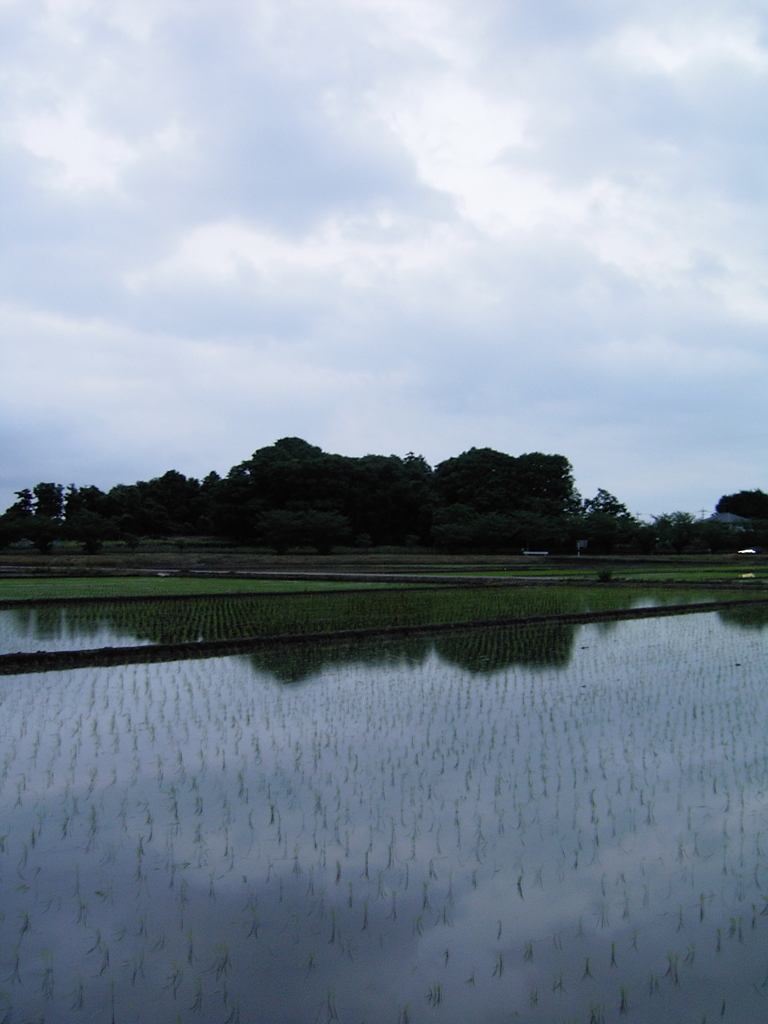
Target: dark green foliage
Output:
[
  {"x": 481, "y": 479},
  {"x": 90, "y": 528},
  {"x": 749, "y": 504},
  {"x": 604, "y": 522},
  {"x": 604, "y": 532},
  {"x": 282, "y": 529},
  {"x": 292, "y": 495},
  {"x": 489, "y": 481},
  {"x": 17, "y": 521},
  {"x": 49, "y": 501},
  {"x": 606, "y": 504},
  {"x": 323, "y": 500},
  {"x": 85, "y": 499},
  {"x": 676, "y": 530},
  {"x": 645, "y": 538},
  {"x": 462, "y": 528},
  {"x": 42, "y": 531},
  {"x": 36, "y": 517},
  {"x": 9, "y": 532},
  {"x": 25, "y": 506},
  {"x": 716, "y": 537}
]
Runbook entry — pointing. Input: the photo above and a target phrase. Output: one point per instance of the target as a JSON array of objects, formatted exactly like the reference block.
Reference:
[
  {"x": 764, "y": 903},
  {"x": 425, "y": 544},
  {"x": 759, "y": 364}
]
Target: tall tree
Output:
[
  {"x": 676, "y": 529},
  {"x": 49, "y": 500},
  {"x": 491, "y": 481},
  {"x": 749, "y": 504}
]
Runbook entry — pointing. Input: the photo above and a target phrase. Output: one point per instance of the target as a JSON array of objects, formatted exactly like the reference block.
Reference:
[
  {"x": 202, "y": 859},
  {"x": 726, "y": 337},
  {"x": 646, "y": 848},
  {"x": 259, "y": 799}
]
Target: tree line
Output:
[{"x": 292, "y": 494}]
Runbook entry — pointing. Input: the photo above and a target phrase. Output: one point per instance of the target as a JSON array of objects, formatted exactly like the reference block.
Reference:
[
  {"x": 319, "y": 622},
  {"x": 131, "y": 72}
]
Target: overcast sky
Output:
[{"x": 385, "y": 226}]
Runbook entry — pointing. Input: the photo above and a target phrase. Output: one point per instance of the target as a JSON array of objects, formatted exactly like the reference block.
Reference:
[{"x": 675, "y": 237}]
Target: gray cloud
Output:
[{"x": 385, "y": 226}]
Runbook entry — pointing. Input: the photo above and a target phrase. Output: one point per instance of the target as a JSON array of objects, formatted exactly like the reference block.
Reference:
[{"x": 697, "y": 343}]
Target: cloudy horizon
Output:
[{"x": 386, "y": 226}]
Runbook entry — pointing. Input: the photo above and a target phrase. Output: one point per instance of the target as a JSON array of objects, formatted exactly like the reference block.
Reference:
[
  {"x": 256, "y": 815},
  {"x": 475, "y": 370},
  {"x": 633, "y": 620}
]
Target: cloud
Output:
[{"x": 386, "y": 226}]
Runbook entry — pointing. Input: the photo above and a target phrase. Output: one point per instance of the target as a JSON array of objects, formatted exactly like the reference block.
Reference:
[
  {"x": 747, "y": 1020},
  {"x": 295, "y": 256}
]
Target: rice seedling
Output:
[{"x": 114, "y": 623}]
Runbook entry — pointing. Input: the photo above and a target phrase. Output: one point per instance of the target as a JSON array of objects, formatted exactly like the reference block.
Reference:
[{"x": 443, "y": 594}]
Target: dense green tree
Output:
[
  {"x": 645, "y": 538},
  {"x": 25, "y": 506},
  {"x": 462, "y": 528},
  {"x": 9, "y": 531},
  {"x": 491, "y": 481},
  {"x": 481, "y": 479},
  {"x": 545, "y": 485},
  {"x": 90, "y": 529},
  {"x": 676, "y": 529},
  {"x": 293, "y": 494},
  {"x": 749, "y": 504},
  {"x": 36, "y": 515},
  {"x": 293, "y": 474},
  {"x": 181, "y": 499},
  {"x": 136, "y": 511},
  {"x": 604, "y": 522},
  {"x": 386, "y": 498},
  {"x": 49, "y": 501},
  {"x": 89, "y": 499},
  {"x": 535, "y": 532},
  {"x": 605, "y": 503},
  {"x": 16, "y": 517},
  {"x": 290, "y": 475},
  {"x": 390, "y": 499},
  {"x": 754, "y": 536},
  {"x": 283, "y": 528},
  {"x": 42, "y": 531},
  {"x": 717, "y": 537}
]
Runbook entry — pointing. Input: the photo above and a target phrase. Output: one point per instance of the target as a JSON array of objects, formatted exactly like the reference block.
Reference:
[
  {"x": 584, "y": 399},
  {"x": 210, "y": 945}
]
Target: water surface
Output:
[{"x": 467, "y": 828}]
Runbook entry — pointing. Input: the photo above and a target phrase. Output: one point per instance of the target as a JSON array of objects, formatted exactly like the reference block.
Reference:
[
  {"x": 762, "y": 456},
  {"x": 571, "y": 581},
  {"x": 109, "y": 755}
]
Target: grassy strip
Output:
[
  {"x": 621, "y": 573},
  {"x": 95, "y": 605},
  {"x": 90, "y": 587},
  {"x": 84, "y": 588},
  {"x": 15, "y": 664}
]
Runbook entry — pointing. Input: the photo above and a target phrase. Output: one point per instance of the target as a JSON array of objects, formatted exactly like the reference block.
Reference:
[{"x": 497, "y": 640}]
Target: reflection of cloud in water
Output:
[{"x": 60, "y": 628}]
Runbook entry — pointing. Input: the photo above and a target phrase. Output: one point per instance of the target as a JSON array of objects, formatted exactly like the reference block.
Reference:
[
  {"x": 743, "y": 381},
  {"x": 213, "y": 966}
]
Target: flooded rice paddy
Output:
[
  {"x": 565, "y": 823},
  {"x": 66, "y": 626}
]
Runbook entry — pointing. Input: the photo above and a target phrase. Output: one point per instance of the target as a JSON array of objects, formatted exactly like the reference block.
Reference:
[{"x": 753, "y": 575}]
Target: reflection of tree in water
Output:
[
  {"x": 295, "y": 663},
  {"x": 476, "y": 650},
  {"x": 489, "y": 650},
  {"x": 480, "y": 650},
  {"x": 753, "y": 616}
]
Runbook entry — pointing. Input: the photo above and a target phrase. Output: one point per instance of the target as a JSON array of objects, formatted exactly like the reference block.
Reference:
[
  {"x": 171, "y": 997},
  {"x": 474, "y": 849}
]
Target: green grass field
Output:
[
  {"x": 119, "y": 578},
  {"x": 159, "y": 586},
  {"x": 665, "y": 571}
]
